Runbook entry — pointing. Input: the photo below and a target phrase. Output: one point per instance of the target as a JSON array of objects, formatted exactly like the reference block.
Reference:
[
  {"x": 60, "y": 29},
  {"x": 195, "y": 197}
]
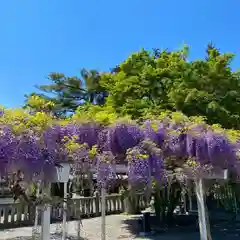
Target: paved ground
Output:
[
  {"x": 118, "y": 227},
  {"x": 91, "y": 230}
]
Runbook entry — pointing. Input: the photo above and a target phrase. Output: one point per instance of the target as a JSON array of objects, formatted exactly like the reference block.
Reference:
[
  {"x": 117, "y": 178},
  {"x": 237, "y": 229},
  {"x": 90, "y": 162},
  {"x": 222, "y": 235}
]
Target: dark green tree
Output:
[
  {"x": 95, "y": 93},
  {"x": 68, "y": 93}
]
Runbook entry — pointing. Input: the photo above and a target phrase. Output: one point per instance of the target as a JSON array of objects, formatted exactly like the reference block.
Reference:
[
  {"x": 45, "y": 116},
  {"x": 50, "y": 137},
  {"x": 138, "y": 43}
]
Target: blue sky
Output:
[{"x": 42, "y": 36}]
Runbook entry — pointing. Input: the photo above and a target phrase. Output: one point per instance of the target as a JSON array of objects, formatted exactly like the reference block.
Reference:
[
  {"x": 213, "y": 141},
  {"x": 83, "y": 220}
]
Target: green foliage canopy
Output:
[{"x": 149, "y": 82}]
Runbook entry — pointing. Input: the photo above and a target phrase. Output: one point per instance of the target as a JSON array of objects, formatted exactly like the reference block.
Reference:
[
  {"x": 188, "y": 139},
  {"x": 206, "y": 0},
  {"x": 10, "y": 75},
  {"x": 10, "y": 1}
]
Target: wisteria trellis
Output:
[{"x": 144, "y": 147}]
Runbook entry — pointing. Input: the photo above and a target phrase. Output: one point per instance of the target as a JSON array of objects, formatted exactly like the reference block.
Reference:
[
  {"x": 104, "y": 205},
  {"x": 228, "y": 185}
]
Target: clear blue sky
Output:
[{"x": 42, "y": 36}]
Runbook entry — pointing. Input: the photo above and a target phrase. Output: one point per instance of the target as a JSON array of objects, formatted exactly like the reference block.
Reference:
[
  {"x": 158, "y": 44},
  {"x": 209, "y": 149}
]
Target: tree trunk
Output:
[
  {"x": 165, "y": 202},
  {"x": 130, "y": 205}
]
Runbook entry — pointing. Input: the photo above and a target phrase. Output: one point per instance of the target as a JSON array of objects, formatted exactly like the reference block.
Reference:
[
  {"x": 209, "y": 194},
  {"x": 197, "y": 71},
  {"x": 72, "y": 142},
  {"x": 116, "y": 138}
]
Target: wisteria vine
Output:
[{"x": 149, "y": 149}]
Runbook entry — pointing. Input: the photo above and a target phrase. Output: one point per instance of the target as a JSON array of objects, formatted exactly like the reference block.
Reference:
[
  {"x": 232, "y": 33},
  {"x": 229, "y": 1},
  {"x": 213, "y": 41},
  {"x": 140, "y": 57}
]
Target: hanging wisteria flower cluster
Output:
[
  {"x": 24, "y": 153},
  {"x": 149, "y": 149}
]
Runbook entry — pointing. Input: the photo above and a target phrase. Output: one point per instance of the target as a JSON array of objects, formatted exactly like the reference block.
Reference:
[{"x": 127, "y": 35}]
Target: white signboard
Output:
[{"x": 63, "y": 173}]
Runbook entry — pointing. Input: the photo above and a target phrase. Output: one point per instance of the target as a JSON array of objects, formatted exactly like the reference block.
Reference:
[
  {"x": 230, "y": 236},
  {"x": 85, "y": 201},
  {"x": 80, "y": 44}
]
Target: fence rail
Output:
[{"x": 17, "y": 214}]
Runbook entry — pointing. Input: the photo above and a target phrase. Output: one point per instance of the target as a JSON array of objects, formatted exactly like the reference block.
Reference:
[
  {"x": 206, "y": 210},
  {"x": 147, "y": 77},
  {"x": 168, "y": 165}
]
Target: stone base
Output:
[{"x": 145, "y": 234}]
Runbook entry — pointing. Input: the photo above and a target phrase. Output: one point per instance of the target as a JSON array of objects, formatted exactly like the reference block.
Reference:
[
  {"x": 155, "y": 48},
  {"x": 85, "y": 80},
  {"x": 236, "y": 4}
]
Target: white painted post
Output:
[
  {"x": 103, "y": 212},
  {"x": 78, "y": 222},
  {"x": 64, "y": 224},
  {"x": 205, "y": 233},
  {"x": 46, "y": 215}
]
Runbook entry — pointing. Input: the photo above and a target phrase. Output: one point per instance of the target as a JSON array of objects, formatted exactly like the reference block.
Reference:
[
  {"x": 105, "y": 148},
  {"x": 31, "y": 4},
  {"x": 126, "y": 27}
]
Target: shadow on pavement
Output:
[{"x": 184, "y": 227}]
